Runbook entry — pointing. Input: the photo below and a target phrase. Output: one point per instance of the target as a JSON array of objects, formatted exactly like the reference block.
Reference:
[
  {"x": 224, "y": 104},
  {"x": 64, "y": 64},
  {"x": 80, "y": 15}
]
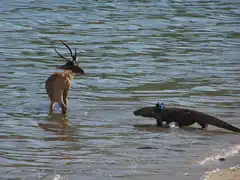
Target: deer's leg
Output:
[
  {"x": 65, "y": 98},
  {"x": 62, "y": 106},
  {"x": 58, "y": 97},
  {"x": 61, "y": 103},
  {"x": 51, "y": 107}
]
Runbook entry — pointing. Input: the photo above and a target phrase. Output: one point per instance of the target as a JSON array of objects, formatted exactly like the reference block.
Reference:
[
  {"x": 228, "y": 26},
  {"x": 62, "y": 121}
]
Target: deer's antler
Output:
[
  {"x": 61, "y": 55},
  {"x": 75, "y": 55},
  {"x": 68, "y": 49}
]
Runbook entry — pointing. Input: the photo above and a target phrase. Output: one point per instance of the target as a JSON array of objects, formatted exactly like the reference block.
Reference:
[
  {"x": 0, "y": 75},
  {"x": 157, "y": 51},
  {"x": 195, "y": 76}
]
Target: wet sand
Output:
[{"x": 225, "y": 174}]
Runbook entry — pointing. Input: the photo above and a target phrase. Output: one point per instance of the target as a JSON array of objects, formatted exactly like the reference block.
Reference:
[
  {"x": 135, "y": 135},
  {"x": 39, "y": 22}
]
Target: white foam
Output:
[{"x": 223, "y": 154}]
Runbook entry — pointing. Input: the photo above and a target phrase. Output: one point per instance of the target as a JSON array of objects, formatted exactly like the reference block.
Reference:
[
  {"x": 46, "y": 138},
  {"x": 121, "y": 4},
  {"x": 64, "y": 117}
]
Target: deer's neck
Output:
[{"x": 69, "y": 74}]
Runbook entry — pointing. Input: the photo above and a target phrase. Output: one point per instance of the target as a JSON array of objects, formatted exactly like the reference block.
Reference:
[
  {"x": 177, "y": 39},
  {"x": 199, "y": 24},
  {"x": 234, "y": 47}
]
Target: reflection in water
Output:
[
  {"x": 188, "y": 129},
  {"x": 59, "y": 124},
  {"x": 152, "y": 128},
  {"x": 183, "y": 53}
]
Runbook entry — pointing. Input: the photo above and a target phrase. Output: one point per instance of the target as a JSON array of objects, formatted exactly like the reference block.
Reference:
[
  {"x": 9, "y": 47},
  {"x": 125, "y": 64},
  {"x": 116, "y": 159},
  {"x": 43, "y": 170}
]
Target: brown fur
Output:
[{"x": 59, "y": 83}]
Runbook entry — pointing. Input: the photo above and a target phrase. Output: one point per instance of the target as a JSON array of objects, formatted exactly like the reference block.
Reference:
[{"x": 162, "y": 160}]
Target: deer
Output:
[{"x": 58, "y": 84}]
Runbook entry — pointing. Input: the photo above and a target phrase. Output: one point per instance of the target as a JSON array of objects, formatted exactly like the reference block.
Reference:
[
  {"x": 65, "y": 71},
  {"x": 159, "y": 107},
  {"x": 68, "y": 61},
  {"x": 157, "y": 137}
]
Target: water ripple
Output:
[{"x": 135, "y": 53}]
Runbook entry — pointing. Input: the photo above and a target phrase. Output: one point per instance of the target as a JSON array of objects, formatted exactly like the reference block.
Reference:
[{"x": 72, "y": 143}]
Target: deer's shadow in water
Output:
[{"x": 59, "y": 125}]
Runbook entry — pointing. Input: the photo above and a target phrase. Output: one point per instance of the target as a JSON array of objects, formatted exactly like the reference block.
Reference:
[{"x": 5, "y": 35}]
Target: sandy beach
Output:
[{"x": 225, "y": 174}]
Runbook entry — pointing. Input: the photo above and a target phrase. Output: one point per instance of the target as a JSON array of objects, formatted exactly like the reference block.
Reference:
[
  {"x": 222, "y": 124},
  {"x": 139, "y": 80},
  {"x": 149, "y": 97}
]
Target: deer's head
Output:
[{"x": 71, "y": 64}]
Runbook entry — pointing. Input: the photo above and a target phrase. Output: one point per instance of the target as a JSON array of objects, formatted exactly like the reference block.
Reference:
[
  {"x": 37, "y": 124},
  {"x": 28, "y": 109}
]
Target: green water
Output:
[{"x": 136, "y": 53}]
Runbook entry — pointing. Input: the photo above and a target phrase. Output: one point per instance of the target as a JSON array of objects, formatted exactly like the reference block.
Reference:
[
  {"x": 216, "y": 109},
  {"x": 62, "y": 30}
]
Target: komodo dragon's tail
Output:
[{"x": 218, "y": 123}]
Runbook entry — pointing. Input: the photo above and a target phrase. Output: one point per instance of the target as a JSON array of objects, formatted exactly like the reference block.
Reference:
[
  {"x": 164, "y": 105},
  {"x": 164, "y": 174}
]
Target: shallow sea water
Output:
[{"x": 136, "y": 53}]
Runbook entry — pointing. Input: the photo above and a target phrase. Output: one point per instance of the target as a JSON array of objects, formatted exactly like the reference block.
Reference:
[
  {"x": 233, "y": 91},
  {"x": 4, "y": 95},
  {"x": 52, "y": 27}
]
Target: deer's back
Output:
[{"x": 57, "y": 83}]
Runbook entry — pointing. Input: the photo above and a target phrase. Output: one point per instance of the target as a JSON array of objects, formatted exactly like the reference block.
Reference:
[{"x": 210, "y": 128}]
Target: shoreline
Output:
[{"x": 232, "y": 173}]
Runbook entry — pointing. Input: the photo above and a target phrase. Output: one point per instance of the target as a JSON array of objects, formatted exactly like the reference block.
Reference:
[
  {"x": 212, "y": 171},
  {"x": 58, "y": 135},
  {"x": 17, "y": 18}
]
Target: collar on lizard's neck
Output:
[{"x": 160, "y": 106}]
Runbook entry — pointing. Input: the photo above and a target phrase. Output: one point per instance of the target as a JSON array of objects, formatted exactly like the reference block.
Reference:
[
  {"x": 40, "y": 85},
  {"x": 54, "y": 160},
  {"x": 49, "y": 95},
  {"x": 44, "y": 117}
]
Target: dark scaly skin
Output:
[{"x": 183, "y": 117}]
